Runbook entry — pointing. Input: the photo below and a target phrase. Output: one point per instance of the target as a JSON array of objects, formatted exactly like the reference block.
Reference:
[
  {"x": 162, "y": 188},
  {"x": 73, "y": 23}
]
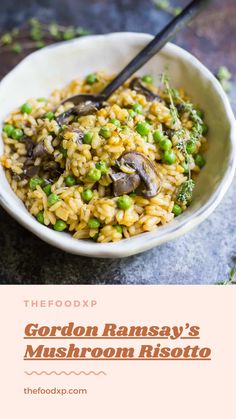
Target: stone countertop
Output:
[{"x": 203, "y": 256}]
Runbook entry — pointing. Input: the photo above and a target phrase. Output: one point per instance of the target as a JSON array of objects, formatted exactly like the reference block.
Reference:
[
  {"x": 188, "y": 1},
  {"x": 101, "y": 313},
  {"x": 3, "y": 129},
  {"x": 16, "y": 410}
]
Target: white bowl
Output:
[{"x": 54, "y": 66}]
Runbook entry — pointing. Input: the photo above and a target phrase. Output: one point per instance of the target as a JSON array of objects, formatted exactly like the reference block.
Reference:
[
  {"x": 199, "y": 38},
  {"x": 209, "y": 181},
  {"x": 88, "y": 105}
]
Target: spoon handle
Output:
[{"x": 155, "y": 45}]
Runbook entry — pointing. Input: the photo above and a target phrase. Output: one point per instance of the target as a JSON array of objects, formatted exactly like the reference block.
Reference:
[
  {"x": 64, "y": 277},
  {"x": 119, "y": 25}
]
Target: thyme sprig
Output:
[
  {"x": 174, "y": 96},
  {"x": 232, "y": 275},
  {"x": 198, "y": 123},
  {"x": 185, "y": 192},
  {"x": 36, "y": 34},
  {"x": 181, "y": 146},
  {"x": 173, "y": 110},
  {"x": 232, "y": 278}
]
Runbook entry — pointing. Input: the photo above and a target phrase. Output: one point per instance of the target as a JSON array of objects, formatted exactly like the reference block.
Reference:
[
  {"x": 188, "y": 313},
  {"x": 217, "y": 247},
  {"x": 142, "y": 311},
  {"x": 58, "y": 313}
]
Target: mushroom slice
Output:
[
  {"x": 29, "y": 145},
  {"x": 39, "y": 150},
  {"x": 169, "y": 132},
  {"x": 75, "y": 133},
  {"x": 29, "y": 170},
  {"x": 63, "y": 117},
  {"x": 82, "y": 109},
  {"x": 146, "y": 170},
  {"x": 137, "y": 85},
  {"x": 124, "y": 183},
  {"x": 86, "y": 108},
  {"x": 53, "y": 169}
]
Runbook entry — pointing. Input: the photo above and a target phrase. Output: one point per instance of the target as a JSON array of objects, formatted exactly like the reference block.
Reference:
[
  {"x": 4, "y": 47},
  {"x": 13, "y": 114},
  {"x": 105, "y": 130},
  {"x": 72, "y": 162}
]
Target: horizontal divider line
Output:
[{"x": 117, "y": 359}]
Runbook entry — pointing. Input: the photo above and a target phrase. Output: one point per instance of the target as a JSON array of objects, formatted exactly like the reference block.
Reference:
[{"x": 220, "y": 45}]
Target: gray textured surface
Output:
[{"x": 202, "y": 256}]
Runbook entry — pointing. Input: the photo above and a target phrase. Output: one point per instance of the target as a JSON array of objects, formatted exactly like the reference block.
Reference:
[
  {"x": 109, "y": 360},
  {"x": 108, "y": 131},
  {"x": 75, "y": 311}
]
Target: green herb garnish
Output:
[
  {"x": 181, "y": 146},
  {"x": 171, "y": 93},
  {"x": 166, "y": 7},
  {"x": 224, "y": 76},
  {"x": 36, "y": 34},
  {"x": 185, "y": 192},
  {"x": 232, "y": 278},
  {"x": 198, "y": 130}
]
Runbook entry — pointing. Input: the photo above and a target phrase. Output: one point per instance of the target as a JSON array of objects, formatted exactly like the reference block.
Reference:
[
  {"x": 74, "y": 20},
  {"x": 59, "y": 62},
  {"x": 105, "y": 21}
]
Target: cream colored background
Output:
[{"x": 168, "y": 390}]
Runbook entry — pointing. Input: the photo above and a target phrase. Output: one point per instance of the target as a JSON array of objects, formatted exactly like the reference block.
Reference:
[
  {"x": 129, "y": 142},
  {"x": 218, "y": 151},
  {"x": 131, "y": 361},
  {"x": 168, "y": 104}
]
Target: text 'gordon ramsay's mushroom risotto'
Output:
[{"x": 107, "y": 173}]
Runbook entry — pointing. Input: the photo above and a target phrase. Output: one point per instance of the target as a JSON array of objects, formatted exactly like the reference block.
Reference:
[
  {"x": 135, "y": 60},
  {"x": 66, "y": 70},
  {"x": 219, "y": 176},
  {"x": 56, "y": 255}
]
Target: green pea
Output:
[
  {"x": 105, "y": 132},
  {"x": 40, "y": 217},
  {"x": 53, "y": 199},
  {"x": 137, "y": 108},
  {"x": 147, "y": 78},
  {"x": 87, "y": 195},
  {"x": 17, "y": 133},
  {"x": 70, "y": 180},
  {"x": 157, "y": 136},
  {"x": 118, "y": 228},
  {"x": 143, "y": 128},
  {"x": 177, "y": 210},
  {"x": 34, "y": 182},
  {"x": 115, "y": 122},
  {"x": 26, "y": 108},
  {"x": 88, "y": 136},
  {"x": 60, "y": 225},
  {"x": 199, "y": 160},
  {"x": 131, "y": 112},
  {"x": 47, "y": 189},
  {"x": 63, "y": 151},
  {"x": 8, "y": 129},
  {"x": 204, "y": 129},
  {"x": 169, "y": 157},
  {"x": 94, "y": 174},
  {"x": 165, "y": 144},
  {"x": 94, "y": 223},
  {"x": 91, "y": 78},
  {"x": 102, "y": 166},
  {"x": 49, "y": 115},
  {"x": 124, "y": 202},
  {"x": 191, "y": 147}
]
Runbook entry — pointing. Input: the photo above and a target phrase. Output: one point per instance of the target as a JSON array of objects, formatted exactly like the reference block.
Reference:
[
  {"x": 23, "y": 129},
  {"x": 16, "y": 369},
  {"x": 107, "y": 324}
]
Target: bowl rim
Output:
[{"x": 144, "y": 241}]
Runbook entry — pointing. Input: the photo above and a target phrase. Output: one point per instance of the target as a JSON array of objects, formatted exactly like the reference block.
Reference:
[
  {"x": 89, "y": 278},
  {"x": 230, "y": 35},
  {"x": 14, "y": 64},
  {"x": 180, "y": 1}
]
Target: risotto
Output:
[{"x": 111, "y": 172}]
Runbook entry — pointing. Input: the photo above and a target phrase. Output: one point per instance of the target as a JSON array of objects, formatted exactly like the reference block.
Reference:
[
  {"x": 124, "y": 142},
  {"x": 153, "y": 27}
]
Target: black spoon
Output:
[{"x": 86, "y": 104}]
